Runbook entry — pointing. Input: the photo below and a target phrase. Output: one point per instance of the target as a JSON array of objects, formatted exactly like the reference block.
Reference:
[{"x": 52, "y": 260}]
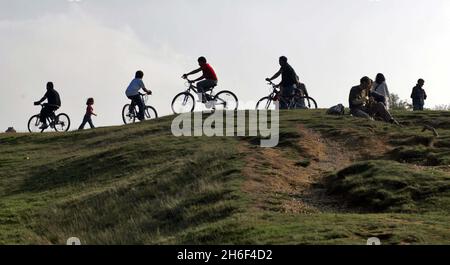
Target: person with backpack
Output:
[
  {"x": 88, "y": 116},
  {"x": 52, "y": 105},
  {"x": 419, "y": 96},
  {"x": 365, "y": 103},
  {"x": 380, "y": 87}
]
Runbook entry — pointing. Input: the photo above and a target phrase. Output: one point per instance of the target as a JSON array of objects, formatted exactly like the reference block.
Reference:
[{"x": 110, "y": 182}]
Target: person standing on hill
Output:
[
  {"x": 52, "y": 105},
  {"x": 88, "y": 116},
  {"x": 419, "y": 96},
  {"x": 380, "y": 87},
  {"x": 289, "y": 81}
]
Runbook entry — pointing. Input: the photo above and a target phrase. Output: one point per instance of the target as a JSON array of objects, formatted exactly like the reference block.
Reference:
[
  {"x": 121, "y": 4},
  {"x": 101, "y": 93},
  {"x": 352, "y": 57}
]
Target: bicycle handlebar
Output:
[
  {"x": 273, "y": 84},
  {"x": 188, "y": 80}
]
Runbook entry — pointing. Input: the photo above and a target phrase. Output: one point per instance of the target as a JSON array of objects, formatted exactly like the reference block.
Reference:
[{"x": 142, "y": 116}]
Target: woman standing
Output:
[{"x": 381, "y": 88}]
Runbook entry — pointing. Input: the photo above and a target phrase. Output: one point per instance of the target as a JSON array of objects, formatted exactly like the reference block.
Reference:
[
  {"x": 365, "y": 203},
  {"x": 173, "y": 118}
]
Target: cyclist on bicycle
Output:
[
  {"x": 49, "y": 108},
  {"x": 132, "y": 93},
  {"x": 289, "y": 80},
  {"x": 209, "y": 76}
]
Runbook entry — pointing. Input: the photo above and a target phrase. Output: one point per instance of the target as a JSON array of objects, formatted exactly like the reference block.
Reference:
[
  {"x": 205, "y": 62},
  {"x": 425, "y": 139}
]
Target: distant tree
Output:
[
  {"x": 397, "y": 104},
  {"x": 442, "y": 107}
]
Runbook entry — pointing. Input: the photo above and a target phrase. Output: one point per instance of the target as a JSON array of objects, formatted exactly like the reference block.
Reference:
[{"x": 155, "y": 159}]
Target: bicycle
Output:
[
  {"x": 130, "y": 117},
  {"x": 298, "y": 101},
  {"x": 60, "y": 122},
  {"x": 185, "y": 101}
]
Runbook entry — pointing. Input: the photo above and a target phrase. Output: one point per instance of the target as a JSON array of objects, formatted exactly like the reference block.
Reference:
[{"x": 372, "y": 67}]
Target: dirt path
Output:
[{"x": 285, "y": 179}]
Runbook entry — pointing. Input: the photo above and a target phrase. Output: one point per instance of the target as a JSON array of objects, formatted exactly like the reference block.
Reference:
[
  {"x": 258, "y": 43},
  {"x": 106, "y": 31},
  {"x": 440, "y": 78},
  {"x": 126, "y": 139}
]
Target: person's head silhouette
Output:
[
  {"x": 50, "y": 86},
  {"x": 139, "y": 74},
  {"x": 283, "y": 60},
  {"x": 202, "y": 61}
]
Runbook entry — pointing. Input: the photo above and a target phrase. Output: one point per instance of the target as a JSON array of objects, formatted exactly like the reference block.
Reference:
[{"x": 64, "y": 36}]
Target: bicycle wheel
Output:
[
  {"x": 303, "y": 103},
  {"x": 62, "y": 123},
  {"x": 266, "y": 103},
  {"x": 127, "y": 116},
  {"x": 34, "y": 123},
  {"x": 183, "y": 102},
  {"x": 225, "y": 100},
  {"x": 310, "y": 103},
  {"x": 150, "y": 113}
]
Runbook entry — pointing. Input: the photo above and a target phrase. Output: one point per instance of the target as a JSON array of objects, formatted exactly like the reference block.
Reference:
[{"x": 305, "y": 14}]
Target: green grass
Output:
[
  {"x": 392, "y": 187},
  {"x": 139, "y": 184}
]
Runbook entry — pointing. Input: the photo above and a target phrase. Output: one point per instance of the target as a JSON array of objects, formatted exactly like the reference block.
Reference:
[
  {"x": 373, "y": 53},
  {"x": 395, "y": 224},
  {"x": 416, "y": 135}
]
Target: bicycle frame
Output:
[
  {"x": 276, "y": 95},
  {"x": 195, "y": 89}
]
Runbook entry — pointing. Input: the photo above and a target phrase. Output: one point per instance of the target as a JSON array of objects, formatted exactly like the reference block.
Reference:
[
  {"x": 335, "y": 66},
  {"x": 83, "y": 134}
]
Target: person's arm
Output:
[
  {"x": 275, "y": 76},
  {"x": 388, "y": 94},
  {"x": 424, "y": 94},
  {"x": 355, "y": 98},
  {"x": 148, "y": 91},
  {"x": 91, "y": 111},
  {"x": 192, "y": 72},
  {"x": 377, "y": 96},
  {"x": 41, "y": 100},
  {"x": 198, "y": 79}
]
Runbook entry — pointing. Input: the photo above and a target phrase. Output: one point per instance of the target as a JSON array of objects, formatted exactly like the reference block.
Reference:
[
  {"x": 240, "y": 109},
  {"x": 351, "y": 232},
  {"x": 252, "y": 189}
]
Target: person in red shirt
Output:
[
  {"x": 88, "y": 116},
  {"x": 209, "y": 76}
]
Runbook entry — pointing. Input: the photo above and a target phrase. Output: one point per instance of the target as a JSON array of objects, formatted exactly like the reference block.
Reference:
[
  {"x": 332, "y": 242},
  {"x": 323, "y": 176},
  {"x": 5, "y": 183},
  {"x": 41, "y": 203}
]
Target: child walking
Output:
[{"x": 88, "y": 116}]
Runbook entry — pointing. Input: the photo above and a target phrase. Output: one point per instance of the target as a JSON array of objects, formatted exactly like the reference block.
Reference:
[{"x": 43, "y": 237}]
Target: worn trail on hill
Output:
[{"x": 285, "y": 179}]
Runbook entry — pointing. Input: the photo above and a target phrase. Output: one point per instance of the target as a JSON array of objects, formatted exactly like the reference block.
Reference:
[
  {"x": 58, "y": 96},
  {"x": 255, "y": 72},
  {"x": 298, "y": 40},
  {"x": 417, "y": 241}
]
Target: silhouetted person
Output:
[
  {"x": 209, "y": 77},
  {"x": 365, "y": 103},
  {"x": 419, "y": 96},
  {"x": 88, "y": 116},
  {"x": 380, "y": 87},
  {"x": 132, "y": 93},
  {"x": 289, "y": 81},
  {"x": 53, "y": 104}
]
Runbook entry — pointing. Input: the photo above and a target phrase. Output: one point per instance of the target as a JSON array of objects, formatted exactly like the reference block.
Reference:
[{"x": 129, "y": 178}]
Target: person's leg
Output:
[
  {"x": 300, "y": 100},
  {"x": 83, "y": 123},
  {"x": 204, "y": 86},
  {"x": 380, "y": 110},
  {"x": 201, "y": 88},
  {"x": 132, "y": 104},
  {"x": 52, "y": 112},
  {"x": 359, "y": 113},
  {"x": 44, "y": 114},
  {"x": 137, "y": 101},
  {"x": 90, "y": 122},
  {"x": 140, "y": 103},
  {"x": 421, "y": 104},
  {"x": 287, "y": 95},
  {"x": 416, "y": 105}
]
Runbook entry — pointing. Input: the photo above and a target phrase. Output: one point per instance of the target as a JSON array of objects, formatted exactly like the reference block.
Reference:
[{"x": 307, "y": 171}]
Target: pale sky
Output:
[{"x": 92, "y": 48}]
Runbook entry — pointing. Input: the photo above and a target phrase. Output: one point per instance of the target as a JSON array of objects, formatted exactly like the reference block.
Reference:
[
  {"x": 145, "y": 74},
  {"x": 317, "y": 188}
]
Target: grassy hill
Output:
[{"x": 331, "y": 180}]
